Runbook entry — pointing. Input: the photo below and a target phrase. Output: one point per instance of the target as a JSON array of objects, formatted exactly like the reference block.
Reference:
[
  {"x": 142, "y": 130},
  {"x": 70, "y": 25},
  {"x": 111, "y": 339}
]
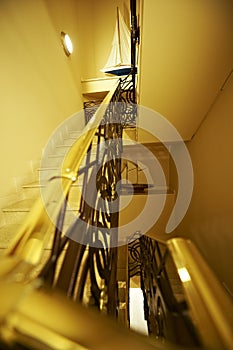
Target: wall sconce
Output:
[{"x": 67, "y": 44}]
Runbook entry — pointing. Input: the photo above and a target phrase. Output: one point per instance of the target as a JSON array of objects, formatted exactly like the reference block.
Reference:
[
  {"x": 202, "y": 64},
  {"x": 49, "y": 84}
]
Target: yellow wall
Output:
[
  {"x": 40, "y": 86},
  {"x": 186, "y": 55},
  {"x": 104, "y": 21},
  {"x": 209, "y": 220},
  {"x": 98, "y": 25}
]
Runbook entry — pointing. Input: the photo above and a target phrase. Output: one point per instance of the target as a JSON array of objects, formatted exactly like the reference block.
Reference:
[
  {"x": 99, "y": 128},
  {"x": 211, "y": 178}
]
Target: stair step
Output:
[
  {"x": 69, "y": 141},
  {"x": 33, "y": 190},
  {"x": 23, "y": 205},
  {"x": 7, "y": 233},
  {"x": 52, "y": 160},
  {"x": 139, "y": 163},
  {"x": 63, "y": 149},
  {"x": 75, "y": 134},
  {"x": 144, "y": 188},
  {"x": 16, "y": 212},
  {"x": 46, "y": 173}
]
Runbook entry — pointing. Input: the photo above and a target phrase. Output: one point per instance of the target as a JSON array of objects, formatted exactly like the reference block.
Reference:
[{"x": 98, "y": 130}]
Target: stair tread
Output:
[
  {"x": 49, "y": 168},
  {"x": 7, "y": 233},
  {"x": 70, "y": 138},
  {"x": 75, "y": 131},
  {"x": 37, "y": 184},
  {"x": 56, "y": 156},
  {"x": 25, "y": 205},
  {"x": 152, "y": 190},
  {"x": 9, "y": 228},
  {"x": 22, "y": 205}
]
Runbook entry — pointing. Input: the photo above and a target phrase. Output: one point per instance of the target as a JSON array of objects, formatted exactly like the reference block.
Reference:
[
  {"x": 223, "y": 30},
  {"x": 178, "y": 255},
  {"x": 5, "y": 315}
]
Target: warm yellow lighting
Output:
[
  {"x": 184, "y": 275},
  {"x": 67, "y": 43}
]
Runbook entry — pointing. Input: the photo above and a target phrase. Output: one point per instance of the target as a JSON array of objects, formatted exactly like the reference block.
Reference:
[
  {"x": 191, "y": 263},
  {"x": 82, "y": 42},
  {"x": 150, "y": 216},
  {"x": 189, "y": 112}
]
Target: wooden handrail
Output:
[
  {"x": 28, "y": 244},
  {"x": 32, "y": 315},
  {"x": 210, "y": 306},
  {"x": 41, "y": 320}
]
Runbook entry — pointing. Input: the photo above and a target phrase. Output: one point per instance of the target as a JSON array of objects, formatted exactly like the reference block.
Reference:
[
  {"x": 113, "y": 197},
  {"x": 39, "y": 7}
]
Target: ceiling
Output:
[{"x": 186, "y": 55}]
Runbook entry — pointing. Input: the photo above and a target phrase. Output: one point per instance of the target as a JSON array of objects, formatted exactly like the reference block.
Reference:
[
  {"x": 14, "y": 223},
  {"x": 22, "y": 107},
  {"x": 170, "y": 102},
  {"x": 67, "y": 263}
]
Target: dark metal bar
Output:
[{"x": 134, "y": 38}]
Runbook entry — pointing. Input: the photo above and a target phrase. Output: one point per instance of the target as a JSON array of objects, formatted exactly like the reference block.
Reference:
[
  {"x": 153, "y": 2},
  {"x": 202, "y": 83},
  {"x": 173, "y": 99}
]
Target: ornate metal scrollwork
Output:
[
  {"x": 90, "y": 107},
  {"x": 86, "y": 268},
  {"x": 135, "y": 257},
  {"x": 123, "y": 100},
  {"x": 129, "y": 107}
]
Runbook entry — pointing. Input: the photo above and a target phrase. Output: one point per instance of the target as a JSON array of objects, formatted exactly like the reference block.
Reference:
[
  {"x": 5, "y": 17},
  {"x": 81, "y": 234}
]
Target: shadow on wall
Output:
[{"x": 213, "y": 237}]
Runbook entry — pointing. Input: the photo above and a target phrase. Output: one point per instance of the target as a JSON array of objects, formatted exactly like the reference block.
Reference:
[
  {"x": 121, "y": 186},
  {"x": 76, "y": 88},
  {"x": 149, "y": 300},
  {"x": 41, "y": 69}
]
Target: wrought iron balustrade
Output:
[
  {"x": 90, "y": 258},
  {"x": 82, "y": 262},
  {"x": 125, "y": 95},
  {"x": 83, "y": 258},
  {"x": 184, "y": 304}
]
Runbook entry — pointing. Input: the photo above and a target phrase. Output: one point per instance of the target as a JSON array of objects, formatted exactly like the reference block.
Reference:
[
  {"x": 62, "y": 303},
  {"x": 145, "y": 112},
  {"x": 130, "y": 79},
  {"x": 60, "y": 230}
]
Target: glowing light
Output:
[
  {"x": 184, "y": 275},
  {"x": 67, "y": 43}
]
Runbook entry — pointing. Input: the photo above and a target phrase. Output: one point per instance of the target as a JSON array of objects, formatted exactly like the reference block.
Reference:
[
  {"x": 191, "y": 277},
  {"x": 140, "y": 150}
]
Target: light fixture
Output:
[
  {"x": 184, "y": 275},
  {"x": 67, "y": 43}
]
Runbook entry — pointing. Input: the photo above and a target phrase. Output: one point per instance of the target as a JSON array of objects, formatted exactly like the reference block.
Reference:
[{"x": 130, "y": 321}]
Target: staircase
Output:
[
  {"x": 13, "y": 214},
  {"x": 133, "y": 173},
  {"x": 165, "y": 293},
  {"x": 144, "y": 177},
  {"x": 140, "y": 181}
]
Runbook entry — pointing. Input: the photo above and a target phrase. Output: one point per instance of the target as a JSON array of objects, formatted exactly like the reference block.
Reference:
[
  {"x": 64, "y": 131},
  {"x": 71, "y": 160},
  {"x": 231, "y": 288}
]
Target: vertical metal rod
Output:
[{"x": 133, "y": 44}]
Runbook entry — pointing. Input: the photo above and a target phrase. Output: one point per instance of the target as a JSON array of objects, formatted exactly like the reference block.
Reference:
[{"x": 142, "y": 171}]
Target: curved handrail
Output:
[
  {"x": 210, "y": 307},
  {"x": 38, "y": 320},
  {"x": 181, "y": 293},
  {"x": 34, "y": 232}
]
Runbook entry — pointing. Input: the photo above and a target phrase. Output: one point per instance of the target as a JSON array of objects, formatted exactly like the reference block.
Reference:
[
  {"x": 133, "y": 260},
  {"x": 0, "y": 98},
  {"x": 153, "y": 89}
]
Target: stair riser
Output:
[
  {"x": 145, "y": 156},
  {"x": 32, "y": 192},
  {"x": 61, "y": 150},
  {"x": 69, "y": 141},
  {"x": 14, "y": 217},
  {"x": 75, "y": 134},
  {"x": 45, "y": 174},
  {"x": 6, "y": 239},
  {"x": 18, "y": 216},
  {"x": 52, "y": 161}
]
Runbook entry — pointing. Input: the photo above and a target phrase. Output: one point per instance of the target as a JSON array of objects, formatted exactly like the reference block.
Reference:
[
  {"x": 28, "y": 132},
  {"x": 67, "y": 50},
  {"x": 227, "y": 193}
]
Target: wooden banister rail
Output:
[
  {"x": 38, "y": 219},
  {"x": 82, "y": 260},
  {"x": 35, "y": 319},
  {"x": 211, "y": 309}
]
